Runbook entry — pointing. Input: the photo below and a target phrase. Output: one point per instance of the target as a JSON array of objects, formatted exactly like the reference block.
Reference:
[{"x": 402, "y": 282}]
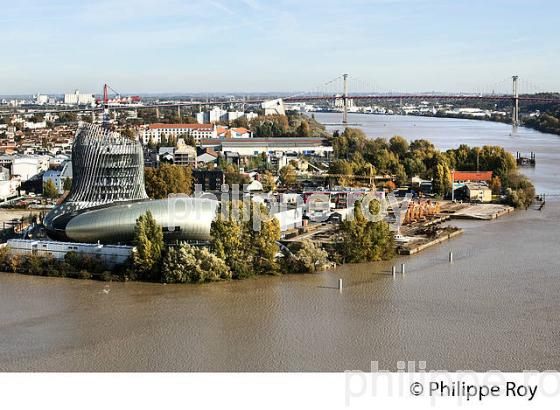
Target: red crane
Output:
[
  {"x": 117, "y": 99},
  {"x": 105, "y": 95}
]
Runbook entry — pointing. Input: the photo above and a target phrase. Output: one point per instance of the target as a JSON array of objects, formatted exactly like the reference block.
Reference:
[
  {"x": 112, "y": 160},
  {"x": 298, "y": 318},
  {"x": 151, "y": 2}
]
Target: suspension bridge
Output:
[{"x": 337, "y": 89}]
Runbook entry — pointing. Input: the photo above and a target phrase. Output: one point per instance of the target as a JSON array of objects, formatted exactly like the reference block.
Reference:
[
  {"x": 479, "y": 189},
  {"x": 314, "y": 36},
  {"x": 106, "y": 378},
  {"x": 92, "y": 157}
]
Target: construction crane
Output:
[
  {"x": 106, "y": 116},
  {"x": 118, "y": 100}
]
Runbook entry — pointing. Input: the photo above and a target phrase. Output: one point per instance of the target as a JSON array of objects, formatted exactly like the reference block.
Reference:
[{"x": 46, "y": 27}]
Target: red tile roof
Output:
[{"x": 472, "y": 176}]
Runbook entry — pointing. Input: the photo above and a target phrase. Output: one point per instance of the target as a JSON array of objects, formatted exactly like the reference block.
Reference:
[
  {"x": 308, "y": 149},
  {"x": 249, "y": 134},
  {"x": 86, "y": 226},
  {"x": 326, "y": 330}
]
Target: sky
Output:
[{"x": 197, "y": 46}]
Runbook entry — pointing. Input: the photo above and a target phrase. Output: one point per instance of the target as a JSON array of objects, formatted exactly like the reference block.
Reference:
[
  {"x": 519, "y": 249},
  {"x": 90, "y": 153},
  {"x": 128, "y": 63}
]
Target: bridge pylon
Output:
[
  {"x": 345, "y": 100},
  {"x": 515, "y": 112}
]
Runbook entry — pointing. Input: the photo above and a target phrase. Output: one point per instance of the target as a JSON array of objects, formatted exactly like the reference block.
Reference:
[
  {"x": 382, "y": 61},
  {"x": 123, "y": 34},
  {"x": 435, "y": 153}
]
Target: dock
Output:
[
  {"x": 485, "y": 212},
  {"x": 417, "y": 246},
  {"x": 529, "y": 161}
]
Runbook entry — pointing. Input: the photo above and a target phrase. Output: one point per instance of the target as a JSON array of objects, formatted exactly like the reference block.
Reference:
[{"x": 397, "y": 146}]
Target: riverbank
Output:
[
  {"x": 424, "y": 231},
  {"x": 545, "y": 123},
  {"x": 493, "y": 308}
]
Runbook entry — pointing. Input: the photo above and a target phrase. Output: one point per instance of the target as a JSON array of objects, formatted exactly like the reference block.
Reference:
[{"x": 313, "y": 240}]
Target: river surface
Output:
[{"x": 496, "y": 307}]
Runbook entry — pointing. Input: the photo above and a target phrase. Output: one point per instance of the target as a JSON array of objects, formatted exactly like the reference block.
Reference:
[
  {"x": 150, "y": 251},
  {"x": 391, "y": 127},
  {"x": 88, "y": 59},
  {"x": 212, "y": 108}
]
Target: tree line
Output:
[
  {"x": 292, "y": 125},
  {"x": 358, "y": 155},
  {"x": 236, "y": 251}
]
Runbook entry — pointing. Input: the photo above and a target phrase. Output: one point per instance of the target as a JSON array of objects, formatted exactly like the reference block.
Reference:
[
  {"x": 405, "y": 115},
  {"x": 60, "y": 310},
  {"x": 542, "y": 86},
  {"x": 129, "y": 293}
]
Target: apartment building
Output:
[{"x": 155, "y": 133}]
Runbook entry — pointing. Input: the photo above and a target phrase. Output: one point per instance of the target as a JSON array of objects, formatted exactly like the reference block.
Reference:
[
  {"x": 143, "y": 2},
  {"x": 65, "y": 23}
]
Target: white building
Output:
[
  {"x": 58, "y": 160},
  {"x": 276, "y": 146},
  {"x": 251, "y": 115},
  {"x": 234, "y": 115},
  {"x": 29, "y": 125},
  {"x": 109, "y": 254},
  {"x": 76, "y": 98},
  {"x": 27, "y": 167},
  {"x": 272, "y": 107},
  {"x": 236, "y": 132},
  {"x": 289, "y": 218},
  {"x": 155, "y": 132},
  {"x": 41, "y": 99},
  {"x": 213, "y": 116},
  {"x": 240, "y": 132},
  {"x": 184, "y": 154},
  {"x": 471, "y": 112},
  {"x": 217, "y": 114},
  {"x": 8, "y": 189}
]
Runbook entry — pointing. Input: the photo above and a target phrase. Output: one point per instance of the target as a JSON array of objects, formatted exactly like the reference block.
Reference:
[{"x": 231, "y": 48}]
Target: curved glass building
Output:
[{"x": 108, "y": 195}]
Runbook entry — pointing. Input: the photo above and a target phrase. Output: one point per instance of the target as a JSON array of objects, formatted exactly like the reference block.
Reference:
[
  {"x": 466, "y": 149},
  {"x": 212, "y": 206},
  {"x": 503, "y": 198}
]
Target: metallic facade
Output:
[
  {"x": 180, "y": 219},
  {"x": 107, "y": 168},
  {"x": 108, "y": 195}
]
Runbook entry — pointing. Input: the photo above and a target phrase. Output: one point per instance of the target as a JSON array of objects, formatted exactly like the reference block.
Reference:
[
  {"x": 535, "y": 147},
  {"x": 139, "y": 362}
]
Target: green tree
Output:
[
  {"x": 496, "y": 185},
  {"x": 177, "y": 179},
  {"x": 240, "y": 122},
  {"x": 67, "y": 184},
  {"x": 246, "y": 250},
  {"x": 270, "y": 126},
  {"x": 234, "y": 177},
  {"x": 288, "y": 176},
  {"x": 231, "y": 241},
  {"x": 264, "y": 246},
  {"x": 367, "y": 170},
  {"x": 4, "y": 257},
  {"x": 148, "y": 240},
  {"x": 189, "y": 264},
  {"x": 399, "y": 146},
  {"x": 303, "y": 130},
  {"x": 268, "y": 182},
  {"x": 341, "y": 172},
  {"x": 308, "y": 258},
  {"x": 50, "y": 190},
  {"x": 189, "y": 140},
  {"x": 167, "y": 179},
  {"x": 441, "y": 176},
  {"x": 364, "y": 240},
  {"x": 521, "y": 191}
]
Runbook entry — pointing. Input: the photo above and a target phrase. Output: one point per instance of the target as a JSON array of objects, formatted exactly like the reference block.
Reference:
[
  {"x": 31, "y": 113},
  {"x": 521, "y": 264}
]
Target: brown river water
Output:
[{"x": 495, "y": 308}]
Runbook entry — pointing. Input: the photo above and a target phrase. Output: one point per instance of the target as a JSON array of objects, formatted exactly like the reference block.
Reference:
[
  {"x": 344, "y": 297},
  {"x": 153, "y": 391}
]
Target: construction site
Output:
[{"x": 424, "y": 224}]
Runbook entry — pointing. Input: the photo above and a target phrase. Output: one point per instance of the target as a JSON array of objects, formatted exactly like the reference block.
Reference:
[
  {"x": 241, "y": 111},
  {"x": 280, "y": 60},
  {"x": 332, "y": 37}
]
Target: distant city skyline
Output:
[{"x": 197, "y": 46}]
